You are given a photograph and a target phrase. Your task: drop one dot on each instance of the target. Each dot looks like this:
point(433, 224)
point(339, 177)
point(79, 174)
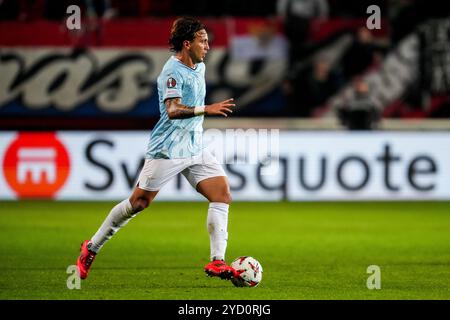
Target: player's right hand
point(220, 108)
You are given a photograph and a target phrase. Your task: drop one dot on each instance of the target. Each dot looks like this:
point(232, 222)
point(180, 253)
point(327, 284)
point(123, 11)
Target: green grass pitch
point(308, 250)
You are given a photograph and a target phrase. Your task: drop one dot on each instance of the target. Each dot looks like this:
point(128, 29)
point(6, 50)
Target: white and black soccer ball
point(250, 272)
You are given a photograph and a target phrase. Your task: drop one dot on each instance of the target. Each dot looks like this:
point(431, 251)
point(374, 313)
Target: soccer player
point(176, 146)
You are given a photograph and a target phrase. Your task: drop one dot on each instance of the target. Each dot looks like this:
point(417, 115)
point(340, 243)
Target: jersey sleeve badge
point(171, 83)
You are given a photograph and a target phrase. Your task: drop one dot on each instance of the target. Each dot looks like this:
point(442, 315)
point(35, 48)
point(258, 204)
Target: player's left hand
point(222, 108)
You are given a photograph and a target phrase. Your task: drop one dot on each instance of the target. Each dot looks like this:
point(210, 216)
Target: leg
point(144, 193)
point(209, 179)
point(120, 215)
point(141, 199)
point(154, 175)
point(216, 190)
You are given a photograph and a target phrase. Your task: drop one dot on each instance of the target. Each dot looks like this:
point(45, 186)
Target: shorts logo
point(171, 83)
point(36, 165)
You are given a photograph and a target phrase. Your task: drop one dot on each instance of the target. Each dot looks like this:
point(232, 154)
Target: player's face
point(199, 46)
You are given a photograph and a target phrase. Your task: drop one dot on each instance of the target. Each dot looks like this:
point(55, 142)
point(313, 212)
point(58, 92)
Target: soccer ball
point(250, 272)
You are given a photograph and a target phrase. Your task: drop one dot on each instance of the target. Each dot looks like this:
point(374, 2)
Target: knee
point(139, 205)
point(224, 197)
point(227, 197)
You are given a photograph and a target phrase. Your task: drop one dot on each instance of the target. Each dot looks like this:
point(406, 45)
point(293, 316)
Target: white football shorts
point(157, 172)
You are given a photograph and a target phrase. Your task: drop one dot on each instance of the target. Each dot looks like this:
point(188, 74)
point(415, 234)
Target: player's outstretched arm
point(176, 110)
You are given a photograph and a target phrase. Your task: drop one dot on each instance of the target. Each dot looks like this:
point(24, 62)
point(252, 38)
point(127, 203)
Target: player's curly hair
point(183, 29)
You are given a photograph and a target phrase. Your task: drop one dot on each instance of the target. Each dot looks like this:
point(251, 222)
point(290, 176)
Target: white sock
point(217, 224)
point(117, 218)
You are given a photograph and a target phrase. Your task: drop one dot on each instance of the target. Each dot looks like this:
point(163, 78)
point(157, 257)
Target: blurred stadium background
point(359, 115)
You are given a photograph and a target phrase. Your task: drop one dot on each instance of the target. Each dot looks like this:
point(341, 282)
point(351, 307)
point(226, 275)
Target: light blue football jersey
point(178, 138)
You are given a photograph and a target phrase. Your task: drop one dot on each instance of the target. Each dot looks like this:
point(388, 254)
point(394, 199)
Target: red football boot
point(85, 260)
point(218, 268)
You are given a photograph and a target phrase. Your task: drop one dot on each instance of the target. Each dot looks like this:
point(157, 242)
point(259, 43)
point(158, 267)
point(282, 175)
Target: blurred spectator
point(404, 17)
point(348, 9)
point(311, 88)
point(364, 51)
point(57, 9)
point(360, 113)
point(252, 67)
point(237, 8)
point(99, 9)
point(297, 16)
